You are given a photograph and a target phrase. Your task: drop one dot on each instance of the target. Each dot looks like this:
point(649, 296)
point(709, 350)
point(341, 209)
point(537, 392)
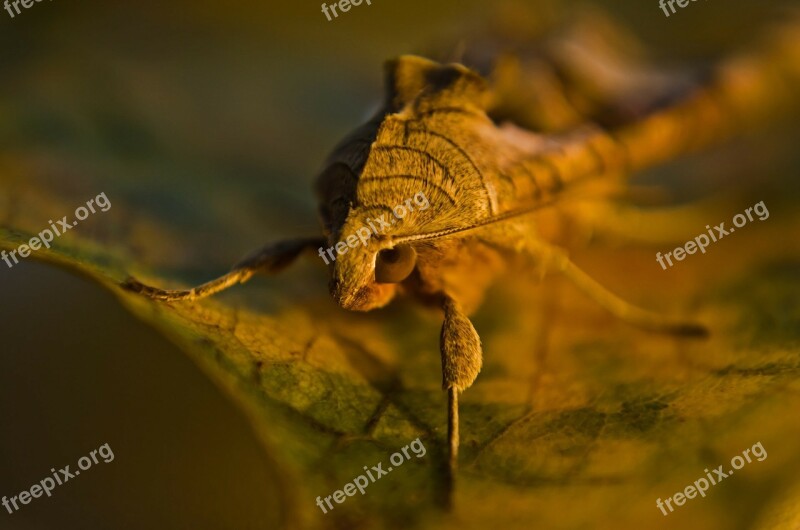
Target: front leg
point(270, 259)
point(462, 359)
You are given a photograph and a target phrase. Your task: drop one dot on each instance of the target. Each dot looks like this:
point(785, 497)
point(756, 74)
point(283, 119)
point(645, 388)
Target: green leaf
point(575, 421)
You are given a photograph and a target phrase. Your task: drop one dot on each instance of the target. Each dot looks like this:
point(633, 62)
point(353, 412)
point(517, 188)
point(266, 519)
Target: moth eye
point(394, 265)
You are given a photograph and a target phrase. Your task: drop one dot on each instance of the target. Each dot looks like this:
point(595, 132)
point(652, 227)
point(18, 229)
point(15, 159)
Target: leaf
point(575, 421)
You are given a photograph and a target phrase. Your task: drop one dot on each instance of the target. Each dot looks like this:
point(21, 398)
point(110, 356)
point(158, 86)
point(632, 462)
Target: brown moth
point(487, 164)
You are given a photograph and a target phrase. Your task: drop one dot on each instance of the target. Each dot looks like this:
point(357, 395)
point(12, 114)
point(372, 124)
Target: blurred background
point(213, 118)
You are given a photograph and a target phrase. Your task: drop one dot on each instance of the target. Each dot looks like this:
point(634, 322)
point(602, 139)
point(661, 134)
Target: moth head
point(368, 268)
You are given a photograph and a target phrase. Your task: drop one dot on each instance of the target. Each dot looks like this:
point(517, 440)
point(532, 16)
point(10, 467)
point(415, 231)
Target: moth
point(492, 140)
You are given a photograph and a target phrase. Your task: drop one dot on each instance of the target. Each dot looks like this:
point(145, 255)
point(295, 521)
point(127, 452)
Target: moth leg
point(270, 259)
point(557, 260)
point(462, 359)
point(667, 225)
